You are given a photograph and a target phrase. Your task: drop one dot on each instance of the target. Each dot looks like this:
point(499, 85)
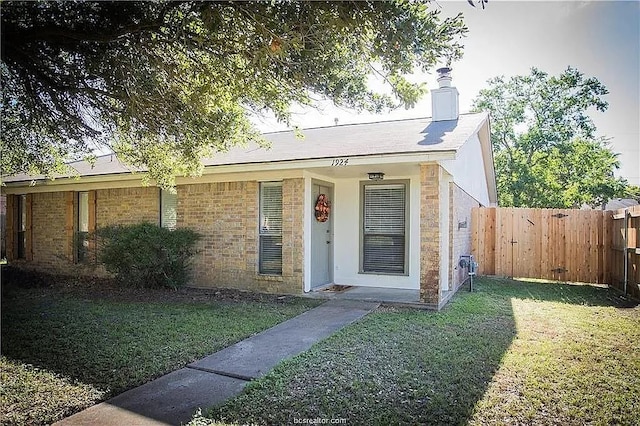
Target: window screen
point(168, 209)
point(384, 228)
point(270, 261)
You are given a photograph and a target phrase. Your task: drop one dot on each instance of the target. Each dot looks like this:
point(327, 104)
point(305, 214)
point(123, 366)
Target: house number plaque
point(339, 162)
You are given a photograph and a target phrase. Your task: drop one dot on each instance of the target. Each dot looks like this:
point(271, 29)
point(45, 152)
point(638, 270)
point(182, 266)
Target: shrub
point(146, 255)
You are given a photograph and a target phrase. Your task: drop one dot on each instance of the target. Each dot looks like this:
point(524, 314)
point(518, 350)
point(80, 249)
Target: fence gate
point(625, 251)
point(554, 244)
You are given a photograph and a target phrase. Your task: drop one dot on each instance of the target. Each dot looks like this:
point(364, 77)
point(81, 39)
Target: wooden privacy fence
point(625, 258)
point(559, 244)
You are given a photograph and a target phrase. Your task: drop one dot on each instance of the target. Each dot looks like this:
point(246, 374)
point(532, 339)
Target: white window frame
point(364, 233)
point(270, 231)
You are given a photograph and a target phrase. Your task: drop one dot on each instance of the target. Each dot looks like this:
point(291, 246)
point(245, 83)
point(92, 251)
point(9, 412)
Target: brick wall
point(293, 234)
point(430, 233)
point(125, 206)
point(52, 217)
point(49, 239)
point(226, 214)
point(460, 207)
point(220, 213)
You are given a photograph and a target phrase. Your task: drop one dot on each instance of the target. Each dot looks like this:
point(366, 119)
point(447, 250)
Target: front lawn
point(509, 353)
point(71, 345)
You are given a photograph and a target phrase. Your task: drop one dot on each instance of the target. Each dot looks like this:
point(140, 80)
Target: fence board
point(545, 255)
point(537, 247)
point(490, 243)
point(568, 260)
point(506, 238)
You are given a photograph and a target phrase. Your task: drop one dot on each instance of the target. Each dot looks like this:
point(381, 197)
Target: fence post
point(627, 222)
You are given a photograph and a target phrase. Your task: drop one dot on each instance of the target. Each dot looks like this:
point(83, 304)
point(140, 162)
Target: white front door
point(321, 239)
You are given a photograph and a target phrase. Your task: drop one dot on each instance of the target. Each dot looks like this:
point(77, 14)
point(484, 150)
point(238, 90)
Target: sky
point(599, 38)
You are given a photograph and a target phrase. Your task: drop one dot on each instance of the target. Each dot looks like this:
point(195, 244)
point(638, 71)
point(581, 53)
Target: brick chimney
point(444, 99)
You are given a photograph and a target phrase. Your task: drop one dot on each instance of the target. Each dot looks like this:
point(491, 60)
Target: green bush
point(146, 255)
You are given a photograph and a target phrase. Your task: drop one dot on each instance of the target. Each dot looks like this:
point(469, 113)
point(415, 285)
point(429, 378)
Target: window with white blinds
point(384, 224)
point(168, 209)
point(270, 255)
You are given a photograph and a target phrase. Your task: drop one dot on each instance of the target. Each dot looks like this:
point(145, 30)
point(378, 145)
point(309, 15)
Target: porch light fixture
point(376, 175)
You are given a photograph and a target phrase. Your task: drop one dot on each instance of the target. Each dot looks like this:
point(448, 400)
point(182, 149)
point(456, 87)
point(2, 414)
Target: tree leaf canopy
point(545, 149)
point(165, 83)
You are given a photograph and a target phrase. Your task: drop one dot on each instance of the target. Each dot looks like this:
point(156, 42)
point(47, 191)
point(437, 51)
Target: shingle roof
point(419, 135)
point(620, 203)
point(385, 137)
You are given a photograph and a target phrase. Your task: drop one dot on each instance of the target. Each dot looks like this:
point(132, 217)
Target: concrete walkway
point(172, 399)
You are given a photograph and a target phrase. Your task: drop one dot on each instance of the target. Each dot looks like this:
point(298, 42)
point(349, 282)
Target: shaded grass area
point(509, 353)
point(67, 347)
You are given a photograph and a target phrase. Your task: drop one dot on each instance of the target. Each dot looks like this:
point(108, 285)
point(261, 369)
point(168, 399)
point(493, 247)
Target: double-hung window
point(82, 235)
point(22, 226)
point(270, 233)
point(168, 209)
point(384, 228)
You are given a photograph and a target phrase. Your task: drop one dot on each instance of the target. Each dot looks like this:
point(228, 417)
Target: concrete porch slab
point(387, 296)
point(377, 294)
point(255, 356)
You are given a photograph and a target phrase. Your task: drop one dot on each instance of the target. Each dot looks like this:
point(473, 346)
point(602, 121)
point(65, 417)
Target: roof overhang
point(484, 134)
point(349, 166)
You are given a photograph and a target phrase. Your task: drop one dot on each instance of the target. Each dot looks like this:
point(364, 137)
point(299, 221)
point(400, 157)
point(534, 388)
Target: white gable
point(468, 170)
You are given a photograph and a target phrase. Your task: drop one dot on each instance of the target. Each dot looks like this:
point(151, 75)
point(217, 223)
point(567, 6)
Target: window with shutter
point(270, 255)
point(384, 223)
point(168, 209)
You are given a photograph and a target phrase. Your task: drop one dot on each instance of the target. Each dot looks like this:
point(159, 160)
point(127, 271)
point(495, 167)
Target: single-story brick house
point(400, 195)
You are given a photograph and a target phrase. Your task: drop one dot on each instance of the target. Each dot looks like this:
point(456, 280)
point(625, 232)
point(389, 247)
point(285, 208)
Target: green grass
point(509, 353)
point(63, 350)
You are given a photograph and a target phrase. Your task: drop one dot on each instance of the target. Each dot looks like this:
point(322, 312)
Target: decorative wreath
point(323, 207)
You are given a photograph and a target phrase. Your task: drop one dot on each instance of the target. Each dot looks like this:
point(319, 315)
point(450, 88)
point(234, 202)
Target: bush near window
point(147, 255)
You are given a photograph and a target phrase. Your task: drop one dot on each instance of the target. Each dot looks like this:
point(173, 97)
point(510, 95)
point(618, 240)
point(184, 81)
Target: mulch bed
point(93, 288)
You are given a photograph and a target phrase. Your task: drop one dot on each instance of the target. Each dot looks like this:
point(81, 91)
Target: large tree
point(165, 83)
point(545, 149)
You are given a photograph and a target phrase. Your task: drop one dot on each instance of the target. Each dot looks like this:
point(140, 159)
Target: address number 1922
point(339, 162)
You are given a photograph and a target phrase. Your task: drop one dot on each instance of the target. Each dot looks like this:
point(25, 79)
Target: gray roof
point(419, 135)
point(620, 203)
point(385, 137)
